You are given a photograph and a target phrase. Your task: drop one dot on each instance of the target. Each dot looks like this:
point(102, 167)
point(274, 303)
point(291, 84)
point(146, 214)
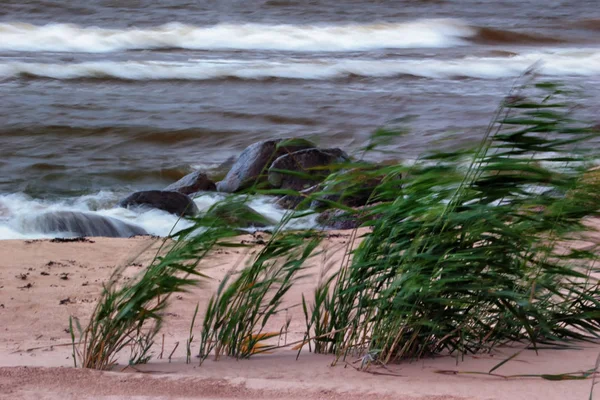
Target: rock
point(338, 219)
point(342, 220)
point(195, 182)
point(254, 161)
point(355, 187)
point(310, 163)
point(239, 215)
point(291, 202)
point(169, 201)
point(83, 224)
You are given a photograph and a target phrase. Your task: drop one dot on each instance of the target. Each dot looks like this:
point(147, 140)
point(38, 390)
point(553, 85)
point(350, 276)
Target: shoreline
point(65, 278)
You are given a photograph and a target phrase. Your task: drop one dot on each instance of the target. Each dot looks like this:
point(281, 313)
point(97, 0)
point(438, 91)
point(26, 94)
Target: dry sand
point(43, 282)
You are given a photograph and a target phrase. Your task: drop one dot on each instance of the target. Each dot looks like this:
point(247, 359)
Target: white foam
point(16, 36)
point(576, 62)
point(17, 209)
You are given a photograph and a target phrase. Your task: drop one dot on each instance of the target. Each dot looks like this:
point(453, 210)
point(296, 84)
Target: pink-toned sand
point(42, 283)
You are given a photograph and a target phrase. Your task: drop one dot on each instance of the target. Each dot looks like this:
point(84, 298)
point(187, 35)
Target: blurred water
point(111, 96)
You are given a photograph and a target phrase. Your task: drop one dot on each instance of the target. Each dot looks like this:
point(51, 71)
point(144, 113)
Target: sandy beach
point(43, 282)
point(119, 117)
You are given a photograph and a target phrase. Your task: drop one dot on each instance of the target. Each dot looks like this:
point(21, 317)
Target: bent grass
point(129, 314)
point(467, 251)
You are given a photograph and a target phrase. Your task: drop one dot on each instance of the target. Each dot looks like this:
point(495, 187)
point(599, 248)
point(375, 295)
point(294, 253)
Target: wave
point(573, 62)
point(424, 33)
point(17, 211)
point(18, 36)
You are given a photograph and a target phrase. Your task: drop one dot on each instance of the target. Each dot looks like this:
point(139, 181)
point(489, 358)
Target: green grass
point(129, 314)
point(467, 251)
point(236, 317)
point(468, 257)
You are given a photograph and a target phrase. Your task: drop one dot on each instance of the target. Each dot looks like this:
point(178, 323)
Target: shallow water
point(104, 97)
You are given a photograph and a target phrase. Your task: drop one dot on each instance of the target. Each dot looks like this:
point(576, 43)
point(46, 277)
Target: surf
point(552, 63)
point(25, 217)
point(54, 37)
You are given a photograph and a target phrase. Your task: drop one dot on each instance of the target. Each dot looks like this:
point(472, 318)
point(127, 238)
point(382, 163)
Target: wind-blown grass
point(471, 256)
point(467, 251)
point(237, 315)
point(129, 314)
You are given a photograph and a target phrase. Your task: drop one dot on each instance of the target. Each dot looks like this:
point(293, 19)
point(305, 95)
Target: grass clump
point(467, 251)
point(475, 252)
point(236, 317)
point(129, 314)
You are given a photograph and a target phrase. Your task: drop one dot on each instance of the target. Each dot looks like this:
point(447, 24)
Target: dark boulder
point(239, 215)
point(255, 159)
point(169, 201)
point(195, 182)
point(83, 224)
point(358, 186)
point(338, 219)
point(342, 220)
point(292, 201)
point(306, 168)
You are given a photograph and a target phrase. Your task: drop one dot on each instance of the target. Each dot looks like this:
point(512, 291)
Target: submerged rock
point(306, 168)
point(169, 201)
point(355, 187)
point(340, 219)
point(83, 224)
point(239, 215)
point(254, 161)
point(292, 202)
point(197, 181)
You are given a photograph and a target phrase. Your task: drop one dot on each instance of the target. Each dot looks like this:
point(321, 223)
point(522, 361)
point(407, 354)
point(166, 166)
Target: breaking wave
point(572, 62)
point(18, 213)
point(18, 36)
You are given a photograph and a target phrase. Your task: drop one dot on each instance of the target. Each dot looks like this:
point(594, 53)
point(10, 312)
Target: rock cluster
point(286, 164)
point(295, 165)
